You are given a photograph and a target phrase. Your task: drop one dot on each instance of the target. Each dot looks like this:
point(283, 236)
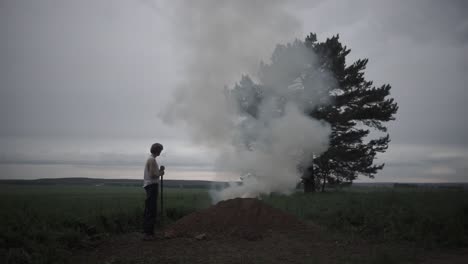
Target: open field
point(47, 224)
point(43, 223)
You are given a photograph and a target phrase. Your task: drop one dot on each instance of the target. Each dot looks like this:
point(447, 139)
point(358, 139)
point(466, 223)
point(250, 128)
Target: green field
point(42, 224)
point(45, 224)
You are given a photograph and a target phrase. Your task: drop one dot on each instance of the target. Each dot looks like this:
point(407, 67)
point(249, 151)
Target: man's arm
point(154, 170)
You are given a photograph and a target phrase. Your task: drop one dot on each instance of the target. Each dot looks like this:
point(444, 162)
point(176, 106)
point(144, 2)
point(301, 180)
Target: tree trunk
point(324, 181)
point(308, 179)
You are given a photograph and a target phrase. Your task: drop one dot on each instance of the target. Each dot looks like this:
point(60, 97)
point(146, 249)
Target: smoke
point(223, 40)
point(270, 164)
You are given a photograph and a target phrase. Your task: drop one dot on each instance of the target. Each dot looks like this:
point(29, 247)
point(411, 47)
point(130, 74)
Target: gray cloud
point(82, 69)
point(418, 47)
point(129, 153)
point(406, 162)
point(101, 71)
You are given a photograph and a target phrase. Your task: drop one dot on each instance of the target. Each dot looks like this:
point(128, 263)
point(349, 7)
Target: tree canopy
point(317, 76)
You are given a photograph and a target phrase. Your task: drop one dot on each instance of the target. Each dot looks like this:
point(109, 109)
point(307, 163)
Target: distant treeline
point(197, 184)
point(117, 182)
point(448, 186)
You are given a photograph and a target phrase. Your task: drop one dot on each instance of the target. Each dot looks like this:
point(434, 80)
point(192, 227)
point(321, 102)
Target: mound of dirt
point(246, 218)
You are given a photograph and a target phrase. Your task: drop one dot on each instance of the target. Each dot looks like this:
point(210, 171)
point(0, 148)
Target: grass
point(44, 224)
point(427, 218)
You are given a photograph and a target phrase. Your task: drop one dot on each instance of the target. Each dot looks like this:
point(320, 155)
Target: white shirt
point(152, 172)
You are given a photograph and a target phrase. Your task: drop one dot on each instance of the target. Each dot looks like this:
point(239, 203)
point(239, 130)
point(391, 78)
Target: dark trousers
point(151, 208)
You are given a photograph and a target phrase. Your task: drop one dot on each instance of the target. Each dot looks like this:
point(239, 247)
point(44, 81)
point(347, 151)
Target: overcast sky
point(83, 83)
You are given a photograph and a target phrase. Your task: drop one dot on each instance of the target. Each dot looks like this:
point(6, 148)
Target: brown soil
point(246, 218)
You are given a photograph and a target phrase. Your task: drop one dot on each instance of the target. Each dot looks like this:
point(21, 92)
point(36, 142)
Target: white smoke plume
point(271, 164)
point(223, 40)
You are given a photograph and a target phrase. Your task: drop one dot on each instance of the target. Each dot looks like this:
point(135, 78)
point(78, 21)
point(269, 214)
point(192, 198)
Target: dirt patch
point(246, 218)
point(305, 247)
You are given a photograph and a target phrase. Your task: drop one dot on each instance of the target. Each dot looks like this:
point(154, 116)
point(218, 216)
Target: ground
point(94, 224)
point(312, 245)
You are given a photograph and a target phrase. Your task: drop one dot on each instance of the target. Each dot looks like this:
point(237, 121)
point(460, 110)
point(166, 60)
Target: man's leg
point(153, 206)
point(147, 227)
point(150, 208)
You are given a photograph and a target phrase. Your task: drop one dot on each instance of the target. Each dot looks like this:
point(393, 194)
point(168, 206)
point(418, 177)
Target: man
point(151, 185)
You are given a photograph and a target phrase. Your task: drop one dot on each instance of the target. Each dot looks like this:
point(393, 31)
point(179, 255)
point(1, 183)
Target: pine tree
point(352, 105)
point(357, 107)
